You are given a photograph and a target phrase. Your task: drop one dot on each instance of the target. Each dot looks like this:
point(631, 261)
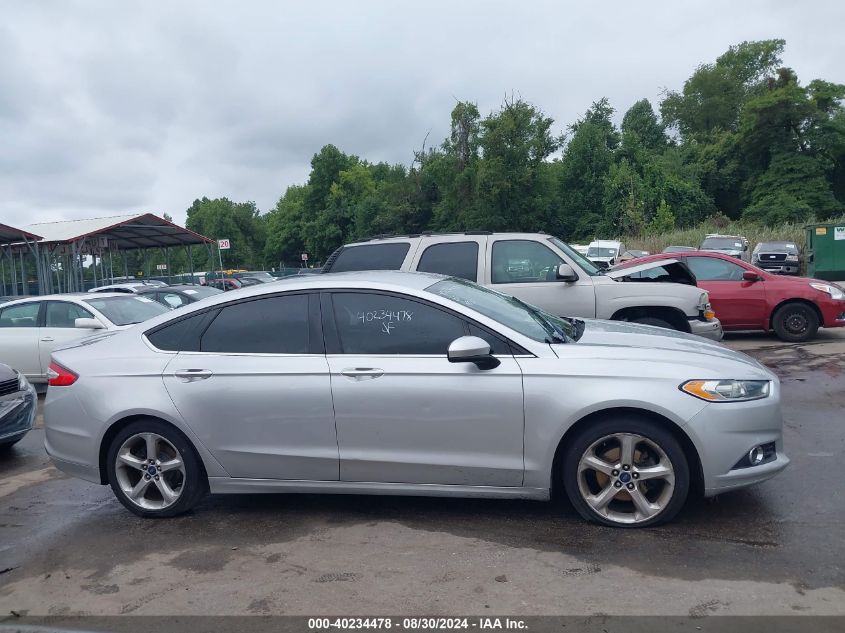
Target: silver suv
point(543, 270)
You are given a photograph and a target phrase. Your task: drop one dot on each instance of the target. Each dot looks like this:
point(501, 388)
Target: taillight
point(58, 376)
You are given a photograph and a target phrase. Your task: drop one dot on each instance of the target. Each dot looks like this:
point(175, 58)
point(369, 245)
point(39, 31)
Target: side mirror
point(750, 275)
point(471, 349)
point(87, 324)
point(565, 273)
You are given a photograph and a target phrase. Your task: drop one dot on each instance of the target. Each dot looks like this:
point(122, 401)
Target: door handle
point(47, 339)
point(362, 373)
point(191, 375)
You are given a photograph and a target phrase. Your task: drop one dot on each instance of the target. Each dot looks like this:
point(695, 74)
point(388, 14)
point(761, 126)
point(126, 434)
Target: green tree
point(240, 222)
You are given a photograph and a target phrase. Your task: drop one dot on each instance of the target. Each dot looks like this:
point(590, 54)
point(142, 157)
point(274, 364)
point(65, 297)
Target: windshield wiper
point(556, 335)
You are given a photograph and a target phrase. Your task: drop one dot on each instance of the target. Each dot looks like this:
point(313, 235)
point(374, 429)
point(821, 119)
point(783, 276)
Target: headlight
point(22, 382)
point(727, 390)
point(704, 301)
point(835, 292)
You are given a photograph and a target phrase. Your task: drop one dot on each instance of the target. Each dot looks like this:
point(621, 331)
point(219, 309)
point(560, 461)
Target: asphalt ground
point(68, 547)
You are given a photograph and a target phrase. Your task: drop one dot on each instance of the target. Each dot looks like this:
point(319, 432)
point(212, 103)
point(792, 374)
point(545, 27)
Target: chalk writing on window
point(386, 320)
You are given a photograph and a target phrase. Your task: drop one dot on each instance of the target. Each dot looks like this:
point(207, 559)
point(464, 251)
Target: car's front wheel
point(625, 471)
point(795, 322)
point(154, 471)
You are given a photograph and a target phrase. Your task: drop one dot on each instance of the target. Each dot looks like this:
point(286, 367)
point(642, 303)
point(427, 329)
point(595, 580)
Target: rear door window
point(371, 257)
point(182, 335)
point(274, 325)
point(22, 315)
point(456, 259)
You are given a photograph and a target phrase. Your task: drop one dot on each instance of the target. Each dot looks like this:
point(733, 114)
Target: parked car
point(781, 258)
point(260, 275)
point(129, 287)
point(538, 269)
point(632, 254)
point(30, 329)
point(412, 384)
point(249, 281)
point(605, 253)
point(749, 298)
point(679, 249)
point(733, 245)
point(226, 283)
point(177, 296)
point(18, 403)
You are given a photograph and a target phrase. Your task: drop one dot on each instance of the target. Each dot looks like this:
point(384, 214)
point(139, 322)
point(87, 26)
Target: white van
point(605, 253)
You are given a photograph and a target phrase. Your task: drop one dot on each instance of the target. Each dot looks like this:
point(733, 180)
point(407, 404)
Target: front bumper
point(17, 414)
point(724, 432)
point(711, 328)
point(779, 268)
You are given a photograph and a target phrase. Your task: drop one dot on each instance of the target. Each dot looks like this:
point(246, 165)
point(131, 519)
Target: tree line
point(742, 139)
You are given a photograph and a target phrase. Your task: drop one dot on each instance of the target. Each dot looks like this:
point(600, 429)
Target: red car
point(748, 298)
point(226, 283)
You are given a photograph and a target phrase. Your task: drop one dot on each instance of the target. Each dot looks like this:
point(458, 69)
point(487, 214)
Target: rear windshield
point(371, 257)
point(127, 310)
point(724, 243)
point(601, 251)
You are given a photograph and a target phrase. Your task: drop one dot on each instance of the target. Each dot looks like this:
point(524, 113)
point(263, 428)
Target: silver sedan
point(409, 384)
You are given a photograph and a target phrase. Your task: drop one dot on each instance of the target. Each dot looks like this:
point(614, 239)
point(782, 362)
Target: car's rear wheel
point(625, 471)
point(795, 322)
point(154, 471)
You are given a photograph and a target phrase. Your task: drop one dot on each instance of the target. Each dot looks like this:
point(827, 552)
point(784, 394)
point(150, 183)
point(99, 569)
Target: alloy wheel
point(626, 478)
point(150, 471)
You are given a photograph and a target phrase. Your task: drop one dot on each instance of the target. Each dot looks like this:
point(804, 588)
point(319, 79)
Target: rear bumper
point(711, 329)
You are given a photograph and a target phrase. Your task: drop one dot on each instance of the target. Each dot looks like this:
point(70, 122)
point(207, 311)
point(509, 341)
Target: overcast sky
point(114, 107)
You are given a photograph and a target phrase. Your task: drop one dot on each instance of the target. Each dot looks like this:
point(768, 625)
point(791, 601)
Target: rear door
point(456, 255)
point(738, 303)
point(19, 338)
point(253, 384)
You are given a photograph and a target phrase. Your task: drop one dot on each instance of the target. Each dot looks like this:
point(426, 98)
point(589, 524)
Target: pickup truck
point(542, 270)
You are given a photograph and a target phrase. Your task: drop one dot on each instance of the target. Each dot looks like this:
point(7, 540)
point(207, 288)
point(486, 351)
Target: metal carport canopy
point(124, 232)
point(11, 235)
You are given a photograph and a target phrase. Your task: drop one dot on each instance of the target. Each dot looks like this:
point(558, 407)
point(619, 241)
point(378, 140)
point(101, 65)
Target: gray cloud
point(109, 108)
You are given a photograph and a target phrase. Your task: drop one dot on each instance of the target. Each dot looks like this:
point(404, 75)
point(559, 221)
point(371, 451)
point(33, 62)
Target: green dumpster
point(826, 251)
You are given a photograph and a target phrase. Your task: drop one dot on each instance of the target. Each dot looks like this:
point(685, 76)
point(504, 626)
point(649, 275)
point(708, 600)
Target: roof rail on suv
point(387, 236)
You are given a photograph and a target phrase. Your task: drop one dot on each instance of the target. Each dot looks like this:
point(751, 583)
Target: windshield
point(589, 267)
point(722, 243)
point(127, 310)
point(510, 311)
point(202, 291)
point(597, 251)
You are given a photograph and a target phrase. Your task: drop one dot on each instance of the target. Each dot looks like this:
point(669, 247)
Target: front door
point(527, 269)
point(254, 387)
point(738, 304)
point(404, 413)
point(59, 328)
point(19, 339)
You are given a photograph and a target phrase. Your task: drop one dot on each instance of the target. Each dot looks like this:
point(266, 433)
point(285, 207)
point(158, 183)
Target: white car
point(129, 286)
point(30, 329)
point(605, 253)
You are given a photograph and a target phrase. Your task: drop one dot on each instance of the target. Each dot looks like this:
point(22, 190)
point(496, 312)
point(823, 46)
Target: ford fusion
point(409, 384)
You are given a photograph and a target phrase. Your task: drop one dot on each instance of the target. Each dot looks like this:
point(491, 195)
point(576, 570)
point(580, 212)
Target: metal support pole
point(167, 261)
point(13, 271)
point(191, 263)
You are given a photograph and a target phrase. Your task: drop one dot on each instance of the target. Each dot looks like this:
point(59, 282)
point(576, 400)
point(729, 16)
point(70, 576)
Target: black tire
point(634, 424)
point(795, 322)
point(193, 486)
point(647, 320)
point(5, 447)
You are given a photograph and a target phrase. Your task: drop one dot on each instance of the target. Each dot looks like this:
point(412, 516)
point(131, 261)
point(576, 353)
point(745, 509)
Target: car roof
point(659, 256)
point(176, 287)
